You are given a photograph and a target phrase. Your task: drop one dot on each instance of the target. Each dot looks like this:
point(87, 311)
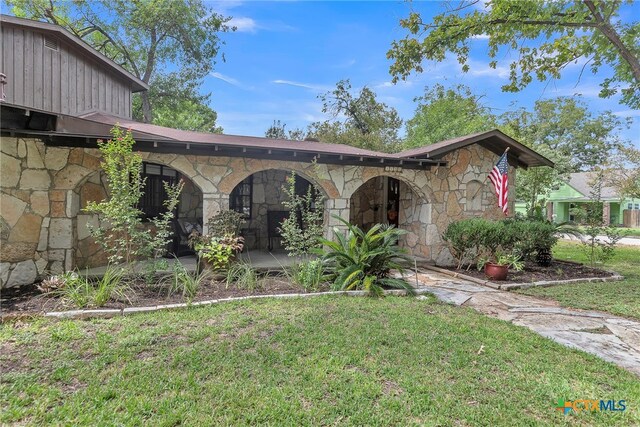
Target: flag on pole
point(499, 176)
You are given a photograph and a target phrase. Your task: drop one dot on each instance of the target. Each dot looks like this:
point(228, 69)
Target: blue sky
point(286, 53)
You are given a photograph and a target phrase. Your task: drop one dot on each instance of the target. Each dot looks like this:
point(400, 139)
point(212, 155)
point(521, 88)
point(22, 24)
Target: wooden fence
point(631, 218)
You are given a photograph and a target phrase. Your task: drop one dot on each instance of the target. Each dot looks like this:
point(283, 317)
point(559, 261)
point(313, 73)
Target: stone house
point(60, 96)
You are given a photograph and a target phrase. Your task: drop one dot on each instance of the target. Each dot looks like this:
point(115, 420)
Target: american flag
point(499, 176)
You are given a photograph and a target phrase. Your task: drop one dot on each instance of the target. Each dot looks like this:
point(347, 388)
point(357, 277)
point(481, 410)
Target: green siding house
point(576, 192)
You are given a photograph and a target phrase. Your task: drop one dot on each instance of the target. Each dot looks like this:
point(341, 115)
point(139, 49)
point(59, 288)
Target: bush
point(359, 260)
point(225, 223)
point(307, 275)
point(471, 240)
point(302, 229)
point(218, 252)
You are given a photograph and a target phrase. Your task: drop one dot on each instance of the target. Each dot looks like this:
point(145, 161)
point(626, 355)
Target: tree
point(143, 37)
point(277, 131)
point(623, 172)
point(444, 113)
point(368, 123)
point(121, 232)
point(563, 130)
point(177, 104)
point(545, 36)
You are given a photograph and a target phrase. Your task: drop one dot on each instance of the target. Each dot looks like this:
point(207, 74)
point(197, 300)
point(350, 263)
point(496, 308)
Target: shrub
point(243, 276)
point(359, 260)
point(186, 283)
point(302, 229)
point(471, 240)
point(307, 275)
point(225, 223)
point(218, 252)
point(125, 238)
point(464, 239)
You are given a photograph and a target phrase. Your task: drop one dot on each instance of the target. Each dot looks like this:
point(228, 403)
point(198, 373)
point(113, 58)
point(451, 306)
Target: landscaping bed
point(532, 272)
point(28, 300)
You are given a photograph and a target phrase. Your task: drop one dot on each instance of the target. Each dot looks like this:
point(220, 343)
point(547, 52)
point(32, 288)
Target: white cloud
point(480, 37)
point(309, 86)
point(244, 24)
point(346, 64)
point(230, 80)
point(479, 69)
point(627, 113)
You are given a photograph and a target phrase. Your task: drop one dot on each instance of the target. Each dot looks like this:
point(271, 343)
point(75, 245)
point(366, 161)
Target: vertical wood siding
point(62, 81)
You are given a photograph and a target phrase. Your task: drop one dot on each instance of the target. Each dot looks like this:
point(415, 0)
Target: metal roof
point(493, 140)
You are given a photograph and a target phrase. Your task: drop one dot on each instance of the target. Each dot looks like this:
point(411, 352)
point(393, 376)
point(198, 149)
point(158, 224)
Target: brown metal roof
point(493, 140)
point(161, 139)
point(163, 133)
point(137, 85)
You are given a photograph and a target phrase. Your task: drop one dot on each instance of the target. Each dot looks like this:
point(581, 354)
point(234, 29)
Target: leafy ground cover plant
point(363, 260)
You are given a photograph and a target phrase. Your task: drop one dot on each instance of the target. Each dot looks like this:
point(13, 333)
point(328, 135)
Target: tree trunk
point(611, 34)
point(147, 114)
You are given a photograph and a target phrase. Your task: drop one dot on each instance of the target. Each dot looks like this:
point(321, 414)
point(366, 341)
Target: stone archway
point(393, 200)
point(260, 196)
point(93, 188)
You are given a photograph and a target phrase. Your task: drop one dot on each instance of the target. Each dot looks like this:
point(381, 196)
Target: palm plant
point(359, 260)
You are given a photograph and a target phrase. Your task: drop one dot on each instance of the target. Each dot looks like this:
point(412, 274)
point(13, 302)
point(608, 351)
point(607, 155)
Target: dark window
point(393, 200)
point(152, 201)
point(241, 197)
point(303, 186)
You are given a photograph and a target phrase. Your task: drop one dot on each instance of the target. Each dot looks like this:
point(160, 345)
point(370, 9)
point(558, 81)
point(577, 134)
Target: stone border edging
point(115, 312)
point(512, 286)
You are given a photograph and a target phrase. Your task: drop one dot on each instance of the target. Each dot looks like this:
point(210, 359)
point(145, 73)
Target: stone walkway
point(614, 339)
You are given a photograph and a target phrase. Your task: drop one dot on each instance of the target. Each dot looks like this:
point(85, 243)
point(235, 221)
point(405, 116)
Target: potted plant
point(216, 253)
point(497, 266)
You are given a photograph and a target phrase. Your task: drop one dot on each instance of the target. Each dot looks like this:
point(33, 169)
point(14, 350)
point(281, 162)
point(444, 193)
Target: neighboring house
point(61, 96)
point(577, 193)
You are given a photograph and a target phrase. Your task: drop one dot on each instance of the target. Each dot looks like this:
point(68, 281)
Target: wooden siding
point(61, 81)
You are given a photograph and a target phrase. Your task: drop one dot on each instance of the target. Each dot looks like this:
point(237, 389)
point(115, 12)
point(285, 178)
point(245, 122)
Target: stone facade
point(43, 189)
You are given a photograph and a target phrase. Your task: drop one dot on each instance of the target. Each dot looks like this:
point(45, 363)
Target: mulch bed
point(27, 300)
point(559, 270)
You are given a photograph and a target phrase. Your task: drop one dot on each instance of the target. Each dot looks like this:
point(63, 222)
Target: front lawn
point(621, 298)
point(321, 361)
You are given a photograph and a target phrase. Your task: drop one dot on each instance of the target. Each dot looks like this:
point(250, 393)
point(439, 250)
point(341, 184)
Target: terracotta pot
point(495, 271)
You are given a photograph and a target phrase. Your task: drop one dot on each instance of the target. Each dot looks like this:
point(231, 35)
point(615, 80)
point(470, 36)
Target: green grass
point(318, 361)
point(621, 298)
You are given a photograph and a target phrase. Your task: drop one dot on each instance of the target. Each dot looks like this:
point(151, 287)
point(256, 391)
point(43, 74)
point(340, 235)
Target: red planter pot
point(495, 271)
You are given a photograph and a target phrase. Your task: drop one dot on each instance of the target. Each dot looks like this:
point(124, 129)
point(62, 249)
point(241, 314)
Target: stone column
point(212, 203)
point(606, 213)
point(336, 207)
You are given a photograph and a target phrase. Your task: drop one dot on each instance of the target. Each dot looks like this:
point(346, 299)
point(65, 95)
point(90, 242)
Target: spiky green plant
point(359, 260)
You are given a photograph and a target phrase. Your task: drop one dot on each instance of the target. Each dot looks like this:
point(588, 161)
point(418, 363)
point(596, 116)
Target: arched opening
point(93, 188)
point(260, 197)
point(388, 200)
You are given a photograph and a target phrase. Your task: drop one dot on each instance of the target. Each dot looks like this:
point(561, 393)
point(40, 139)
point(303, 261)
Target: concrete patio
point(261, 260)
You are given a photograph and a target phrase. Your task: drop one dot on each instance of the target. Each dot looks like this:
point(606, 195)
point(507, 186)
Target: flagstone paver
point(612, 338)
